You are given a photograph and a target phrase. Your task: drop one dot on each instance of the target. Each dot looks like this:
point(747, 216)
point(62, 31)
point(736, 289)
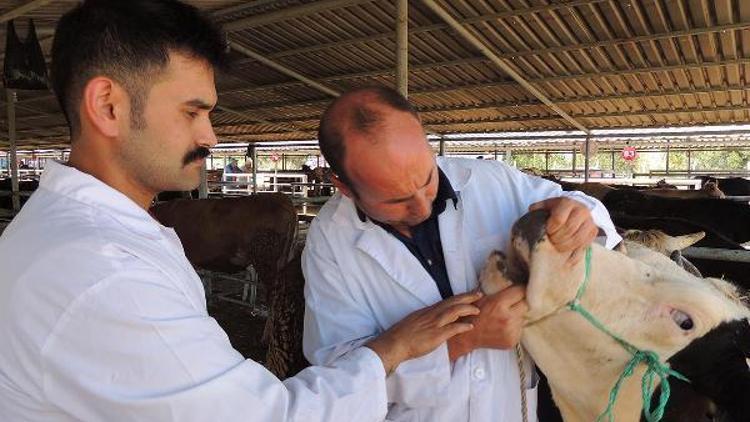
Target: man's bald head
point(359, 111)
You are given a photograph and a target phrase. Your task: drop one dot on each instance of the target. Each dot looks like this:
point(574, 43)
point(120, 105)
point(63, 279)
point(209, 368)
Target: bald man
point(406, 230)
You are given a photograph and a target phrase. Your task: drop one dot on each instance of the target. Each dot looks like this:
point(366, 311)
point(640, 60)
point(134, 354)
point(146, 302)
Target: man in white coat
point(102, 318)
point(407, 230)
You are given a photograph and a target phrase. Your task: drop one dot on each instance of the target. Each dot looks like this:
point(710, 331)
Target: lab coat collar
point(391, 254)
point(82, 187)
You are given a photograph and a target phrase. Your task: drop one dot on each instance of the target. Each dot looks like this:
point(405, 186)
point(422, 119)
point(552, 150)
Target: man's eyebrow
point(198, 103)
point(397, 200)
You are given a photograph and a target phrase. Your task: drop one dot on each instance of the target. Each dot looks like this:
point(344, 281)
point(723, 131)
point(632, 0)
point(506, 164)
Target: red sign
point(629, 153)
point(275, 157)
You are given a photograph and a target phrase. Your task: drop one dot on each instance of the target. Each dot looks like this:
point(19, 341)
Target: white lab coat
point(102, 318)
point(360, 280)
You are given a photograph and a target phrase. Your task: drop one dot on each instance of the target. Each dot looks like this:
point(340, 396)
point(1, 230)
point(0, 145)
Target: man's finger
point(463, 298)
point(455, 312)
point(510, 296)
point(560, 216)
point(541, 205)
point(583, 237)
point(451, 330)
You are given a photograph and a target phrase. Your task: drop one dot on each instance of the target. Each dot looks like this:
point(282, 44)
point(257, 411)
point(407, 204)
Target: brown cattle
point(709, 190)
point(230, 234)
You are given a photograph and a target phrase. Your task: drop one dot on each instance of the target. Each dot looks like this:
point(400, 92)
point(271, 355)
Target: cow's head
point(643, 297)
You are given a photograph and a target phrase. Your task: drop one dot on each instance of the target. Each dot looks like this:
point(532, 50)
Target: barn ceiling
point(606, 63)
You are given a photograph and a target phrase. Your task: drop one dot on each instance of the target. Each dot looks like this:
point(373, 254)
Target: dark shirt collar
point(444, 193)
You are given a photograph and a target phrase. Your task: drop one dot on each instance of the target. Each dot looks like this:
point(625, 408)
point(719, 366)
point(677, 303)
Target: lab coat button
point(479, 373)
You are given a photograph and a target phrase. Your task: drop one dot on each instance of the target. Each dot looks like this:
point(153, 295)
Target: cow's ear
point(620, 247)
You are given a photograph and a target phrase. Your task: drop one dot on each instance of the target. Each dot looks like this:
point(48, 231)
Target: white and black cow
point(697, 324)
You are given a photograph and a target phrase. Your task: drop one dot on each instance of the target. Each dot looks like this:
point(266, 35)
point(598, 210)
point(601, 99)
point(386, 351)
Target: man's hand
point(570, 226)
point(423, 331)
point(498, 325)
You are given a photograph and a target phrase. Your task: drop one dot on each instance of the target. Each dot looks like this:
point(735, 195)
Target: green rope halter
point(654, 366)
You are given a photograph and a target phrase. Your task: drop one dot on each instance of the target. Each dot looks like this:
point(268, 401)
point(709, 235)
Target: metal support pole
point(255, 170)
point(402, 48)
point(11, 104)
point(203, 188)
point(546, 161)
point(586, 159)
point(495, 152)
point(441, 148)
point(613, 160)
point(690, 162)
point(667, 169)
point(574, 161)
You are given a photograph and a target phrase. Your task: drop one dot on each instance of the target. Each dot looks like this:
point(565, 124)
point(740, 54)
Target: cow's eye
point(682, 319)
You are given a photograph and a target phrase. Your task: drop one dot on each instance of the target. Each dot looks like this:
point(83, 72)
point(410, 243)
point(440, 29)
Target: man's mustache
point(196, 154)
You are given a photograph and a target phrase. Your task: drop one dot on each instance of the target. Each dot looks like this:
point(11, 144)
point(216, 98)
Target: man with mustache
point(102, 318)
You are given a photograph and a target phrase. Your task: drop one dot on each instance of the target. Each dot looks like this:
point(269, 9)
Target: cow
point(708, 190)
point(6, 201)
point(734, 186)
point(726, 217)
point(737, 272)
point(666, 245)
point(644, 299)
point(230, 234)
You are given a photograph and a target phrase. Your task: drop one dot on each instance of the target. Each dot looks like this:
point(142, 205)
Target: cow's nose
point(531, 227)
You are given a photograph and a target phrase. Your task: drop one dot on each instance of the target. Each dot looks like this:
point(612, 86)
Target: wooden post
point(255, 170)
point(586, 159)
point(441, 148)
point(402, 48)
point(574, 161)
point(203, 188)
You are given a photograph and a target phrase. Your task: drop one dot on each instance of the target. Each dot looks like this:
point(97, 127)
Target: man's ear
point(345, 190)
point(105, 106)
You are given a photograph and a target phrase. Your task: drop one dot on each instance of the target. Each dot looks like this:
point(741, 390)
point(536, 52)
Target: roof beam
point(23, 9)
point(522, 119)
point(529, 102)
point(296, 121)
point(425, 66)
point(289, 13)
point(523, 53)
point(590, 116)
point(246, 115)
point(283, 69)
point(240, 7)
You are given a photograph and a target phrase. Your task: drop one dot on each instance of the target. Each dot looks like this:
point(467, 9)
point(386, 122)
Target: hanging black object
point(24, 61)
